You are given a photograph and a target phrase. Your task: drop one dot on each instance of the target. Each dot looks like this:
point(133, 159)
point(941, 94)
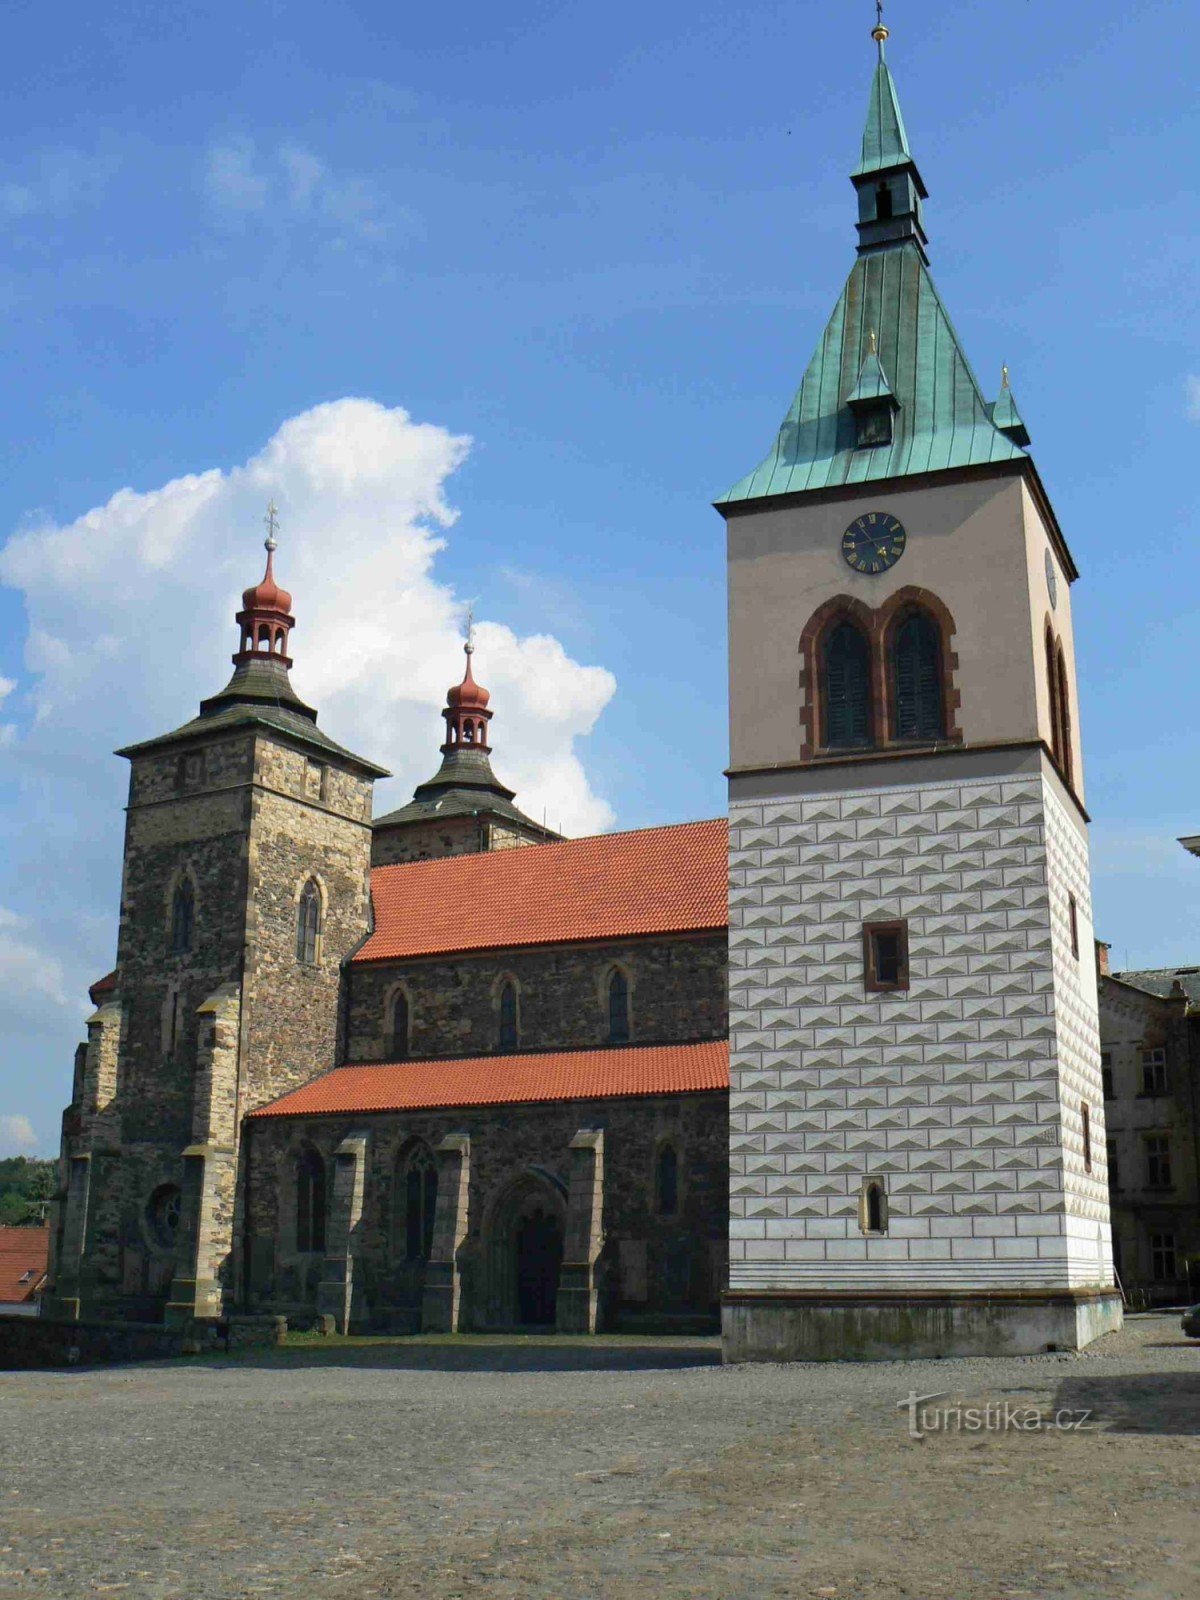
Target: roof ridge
point(553, 844)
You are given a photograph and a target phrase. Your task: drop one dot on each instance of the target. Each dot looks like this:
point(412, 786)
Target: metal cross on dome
point(272, 524)
point(470, 644)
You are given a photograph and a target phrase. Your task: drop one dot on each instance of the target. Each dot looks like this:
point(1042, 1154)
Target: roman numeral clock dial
point(873, 542)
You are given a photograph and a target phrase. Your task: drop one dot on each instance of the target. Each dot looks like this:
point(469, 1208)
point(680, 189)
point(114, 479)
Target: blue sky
point(600, 243)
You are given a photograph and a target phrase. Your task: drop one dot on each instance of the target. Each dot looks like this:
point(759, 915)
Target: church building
point(828, 1072)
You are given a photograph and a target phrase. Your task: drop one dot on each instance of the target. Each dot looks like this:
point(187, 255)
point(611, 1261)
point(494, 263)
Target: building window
point(310, 1202)
point(846, 683)
point(1073, 924)
point(1163, 1268)
point(872, 1207)
point(666, 1181)
point(1055, 713)
point(1085, 1112)
point(917, 678)
point(883, 203)
point(399, 1050)
point(885, 955)
point(162, 1215)
point(417, 1183)
point(1106, 1073)
point(1064, 712)
point(1154, 1071)
point(189, 770)
point(1114, 1172)
point(618, 1008)
point(183, 917)
point(508, 1033)
point(1158, 1160)
point(308, 925)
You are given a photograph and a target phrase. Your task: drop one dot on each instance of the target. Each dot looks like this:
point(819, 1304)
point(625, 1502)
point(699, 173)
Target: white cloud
point(1193, 398)
point(294, 185)
point(131, 614)
point(16, 1135)
point(29, 974)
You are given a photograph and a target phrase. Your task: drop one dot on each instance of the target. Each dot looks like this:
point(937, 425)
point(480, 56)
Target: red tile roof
point(23, 1256)
point(103, 987)
point(610, 886)
point(511, 1080)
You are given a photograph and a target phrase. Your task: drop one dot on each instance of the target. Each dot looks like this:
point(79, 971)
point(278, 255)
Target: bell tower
point(245, 886)
point(916, 1111)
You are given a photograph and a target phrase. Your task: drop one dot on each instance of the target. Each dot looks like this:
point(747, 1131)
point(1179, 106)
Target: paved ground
point(558, 1469)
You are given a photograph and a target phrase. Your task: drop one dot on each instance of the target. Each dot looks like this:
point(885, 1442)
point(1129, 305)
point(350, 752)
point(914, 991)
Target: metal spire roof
point(885, 142)
point(942, 418)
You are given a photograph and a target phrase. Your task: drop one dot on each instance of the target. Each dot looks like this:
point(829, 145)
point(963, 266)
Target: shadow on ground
point(481, 1353)
point(1165, 1403)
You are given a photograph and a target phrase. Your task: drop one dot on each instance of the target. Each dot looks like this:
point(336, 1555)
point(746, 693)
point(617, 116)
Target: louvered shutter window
point(847, 680)
point(918, 673)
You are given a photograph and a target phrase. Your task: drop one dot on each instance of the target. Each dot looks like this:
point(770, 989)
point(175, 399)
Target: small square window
point(1073, 915)
point(885, 956)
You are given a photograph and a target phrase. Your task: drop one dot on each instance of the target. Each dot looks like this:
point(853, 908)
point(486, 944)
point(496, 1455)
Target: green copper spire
point(885, 142)
point(889, 392)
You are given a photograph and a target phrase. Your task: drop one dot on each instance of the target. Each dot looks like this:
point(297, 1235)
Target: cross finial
point(469, 646)
point(271, 521)
point(1004, 377)
point(872, 343)
point(879, 32)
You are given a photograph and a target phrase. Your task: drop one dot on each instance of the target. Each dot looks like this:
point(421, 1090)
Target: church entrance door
point(539, 1244)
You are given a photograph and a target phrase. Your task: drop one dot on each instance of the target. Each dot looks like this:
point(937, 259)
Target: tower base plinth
point(790, 1325)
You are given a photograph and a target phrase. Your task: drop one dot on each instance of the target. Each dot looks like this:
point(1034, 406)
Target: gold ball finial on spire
point(879, 32)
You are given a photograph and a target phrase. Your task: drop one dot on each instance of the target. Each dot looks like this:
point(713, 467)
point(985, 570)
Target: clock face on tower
point(873, 542)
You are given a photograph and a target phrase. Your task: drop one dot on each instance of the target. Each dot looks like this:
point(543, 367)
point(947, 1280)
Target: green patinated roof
point(463, 786)
point(942, 418)
point(259, 694)
point(885, 143)
point(873, 383)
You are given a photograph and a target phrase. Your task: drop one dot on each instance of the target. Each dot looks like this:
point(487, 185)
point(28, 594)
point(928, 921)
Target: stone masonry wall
point(449, 836)
point(677, 991)
point(651, 1264)
point(949, 1092)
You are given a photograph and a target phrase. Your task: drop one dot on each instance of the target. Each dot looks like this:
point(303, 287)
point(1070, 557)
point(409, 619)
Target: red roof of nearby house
point(610, 886)
point(623, 1073)
point(103, 987)
point(24, 1253)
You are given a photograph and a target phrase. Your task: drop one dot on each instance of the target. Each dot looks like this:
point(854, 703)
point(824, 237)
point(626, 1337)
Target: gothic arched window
point(1064, 712)
point(873, 1208)
point(917, 678)
point(416, 1192)
point(846, 683)
point(618, 1008)
point(310, 1202)
point(308, 925)
point(1055, 708)
point(508, 1032)
point(666, 1181)
point(183, 917)
point(399, 1049)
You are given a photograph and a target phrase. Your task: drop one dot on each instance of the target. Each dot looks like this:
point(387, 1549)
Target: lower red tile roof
point(611, 886)
point(103, 987)
point(510, 1080)
point(24, 1253)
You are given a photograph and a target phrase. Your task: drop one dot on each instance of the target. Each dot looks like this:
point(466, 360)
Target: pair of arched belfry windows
point(914, 706)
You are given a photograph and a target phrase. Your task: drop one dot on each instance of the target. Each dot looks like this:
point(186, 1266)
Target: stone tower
point(917, 1116)
point(245, 886)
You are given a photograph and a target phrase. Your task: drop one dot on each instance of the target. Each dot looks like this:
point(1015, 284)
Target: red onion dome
point(267, 595)
point(468, 695)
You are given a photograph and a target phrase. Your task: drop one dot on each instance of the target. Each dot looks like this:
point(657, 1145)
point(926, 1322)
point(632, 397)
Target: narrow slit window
point(885, 956)
point(400, 1028)
point(667, 1181)
point(873, 1207)
point(1073, 916)
point(308, 925)
point(183, 917)
point(618, 1008)
point(1086, 1115)
point(508, 1031)
point(310, 1202)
